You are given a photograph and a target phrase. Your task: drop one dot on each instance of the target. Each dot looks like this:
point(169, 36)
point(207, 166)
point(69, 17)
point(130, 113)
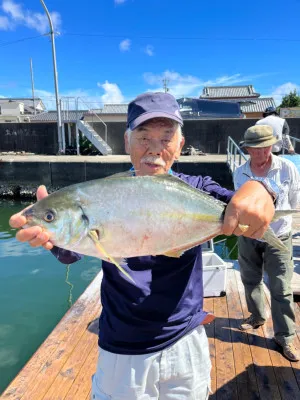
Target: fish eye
point(49, 216)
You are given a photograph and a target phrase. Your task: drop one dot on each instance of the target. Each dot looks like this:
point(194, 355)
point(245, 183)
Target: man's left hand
point(250, 206)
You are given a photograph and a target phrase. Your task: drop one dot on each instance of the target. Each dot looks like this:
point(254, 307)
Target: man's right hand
point(34, 235)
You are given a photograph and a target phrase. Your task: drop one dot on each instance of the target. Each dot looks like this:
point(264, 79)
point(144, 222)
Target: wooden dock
point(244, 365)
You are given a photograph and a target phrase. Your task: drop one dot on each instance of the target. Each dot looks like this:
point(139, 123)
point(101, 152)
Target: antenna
point(165, 84)
point(32, 86)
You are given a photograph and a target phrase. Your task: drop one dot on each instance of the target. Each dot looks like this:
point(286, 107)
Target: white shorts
point(179, 372)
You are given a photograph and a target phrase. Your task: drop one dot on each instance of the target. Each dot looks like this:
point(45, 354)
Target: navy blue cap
point(152, 105)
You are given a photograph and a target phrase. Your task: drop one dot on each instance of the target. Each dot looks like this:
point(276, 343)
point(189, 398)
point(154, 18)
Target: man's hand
point(34, 235)
point(251, 205)
point(292, 151)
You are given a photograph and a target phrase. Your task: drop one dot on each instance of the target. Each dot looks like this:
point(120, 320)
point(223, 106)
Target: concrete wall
point(209, 136)
point(21, 179)
point(39, 138)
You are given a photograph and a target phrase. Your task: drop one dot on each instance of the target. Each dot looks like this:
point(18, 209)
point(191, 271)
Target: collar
point(275, 164)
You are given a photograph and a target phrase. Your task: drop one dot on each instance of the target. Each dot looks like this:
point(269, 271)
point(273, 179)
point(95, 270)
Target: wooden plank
point(67, 375)
point(283, 369)
point(32, 382)
point(225, 369)
point(246, 379)
point(82, 384)
point(210, 331)
point(265, 376)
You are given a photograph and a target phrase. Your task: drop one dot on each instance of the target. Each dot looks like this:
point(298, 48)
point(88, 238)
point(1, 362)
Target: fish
point(123, 216)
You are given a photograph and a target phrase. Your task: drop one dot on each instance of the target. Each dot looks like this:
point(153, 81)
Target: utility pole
point(32, 86)
point(165, 84)
point(61, 150)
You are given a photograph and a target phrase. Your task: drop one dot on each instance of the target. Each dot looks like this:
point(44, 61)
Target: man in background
point(257, 256)
point(280, 128)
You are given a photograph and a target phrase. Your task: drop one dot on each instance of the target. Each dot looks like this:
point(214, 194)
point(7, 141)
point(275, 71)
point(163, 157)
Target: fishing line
point(70, 298)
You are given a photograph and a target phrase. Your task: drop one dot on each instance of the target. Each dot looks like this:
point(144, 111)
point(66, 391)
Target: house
point(15, 109)
point(252, 105)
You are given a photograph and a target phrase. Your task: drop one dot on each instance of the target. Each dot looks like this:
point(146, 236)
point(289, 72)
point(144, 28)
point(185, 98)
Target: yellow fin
point(175, 254)
point(93, 235)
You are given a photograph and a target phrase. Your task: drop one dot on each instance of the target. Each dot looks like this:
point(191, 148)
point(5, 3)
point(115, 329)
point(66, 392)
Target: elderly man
point(255, 256)
point(151, 337)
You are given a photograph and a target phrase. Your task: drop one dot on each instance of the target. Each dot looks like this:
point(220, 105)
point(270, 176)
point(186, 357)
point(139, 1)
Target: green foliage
point(86, 147)
point(291, 100)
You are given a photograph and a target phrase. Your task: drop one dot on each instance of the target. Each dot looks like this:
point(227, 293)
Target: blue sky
point(112, 50)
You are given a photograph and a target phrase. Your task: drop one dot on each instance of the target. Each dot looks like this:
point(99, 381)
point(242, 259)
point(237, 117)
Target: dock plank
point(245, 366)
point(36, 377)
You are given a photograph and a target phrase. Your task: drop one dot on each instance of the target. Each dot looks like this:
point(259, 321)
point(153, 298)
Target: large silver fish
point(123, 216)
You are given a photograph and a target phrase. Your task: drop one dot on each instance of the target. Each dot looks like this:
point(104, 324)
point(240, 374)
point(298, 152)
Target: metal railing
point(93, 113)
point(235, 156)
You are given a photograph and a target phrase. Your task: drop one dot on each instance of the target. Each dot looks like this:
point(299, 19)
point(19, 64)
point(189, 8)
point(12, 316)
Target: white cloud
point(119, 1)
point(189, 85)
point(149, 50)
point(4, 23)
point(17, 15)
point(125, 45)
point(282, 90)
point(87, 100)
point(113, 94)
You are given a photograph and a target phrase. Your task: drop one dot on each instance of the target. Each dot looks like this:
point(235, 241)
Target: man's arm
point(250, 205)
point(287, 144)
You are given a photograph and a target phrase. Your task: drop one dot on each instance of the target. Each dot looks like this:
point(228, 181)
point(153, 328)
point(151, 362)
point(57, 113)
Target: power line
point(22, 40)
point(182, 37)
point(203, 38)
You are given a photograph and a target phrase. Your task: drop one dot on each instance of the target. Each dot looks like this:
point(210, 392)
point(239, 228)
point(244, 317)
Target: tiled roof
point(115, 109)
point(228, 91)
point(51, 116)
point(260, 104)
point(253, 105)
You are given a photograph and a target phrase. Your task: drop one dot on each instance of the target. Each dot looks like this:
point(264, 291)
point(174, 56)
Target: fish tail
point(283, 213)
point(274, 241)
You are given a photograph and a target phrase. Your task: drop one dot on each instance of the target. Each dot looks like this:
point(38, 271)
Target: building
point(252, 105)
point(18, 109)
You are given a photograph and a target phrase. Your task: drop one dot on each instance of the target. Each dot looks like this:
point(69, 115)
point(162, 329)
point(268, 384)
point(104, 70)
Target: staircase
point(94, 138)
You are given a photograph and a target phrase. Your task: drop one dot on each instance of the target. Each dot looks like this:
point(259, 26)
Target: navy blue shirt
point(165, 303)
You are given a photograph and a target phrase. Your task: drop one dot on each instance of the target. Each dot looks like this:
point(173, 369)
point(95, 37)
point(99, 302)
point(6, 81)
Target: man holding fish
point(151, 337)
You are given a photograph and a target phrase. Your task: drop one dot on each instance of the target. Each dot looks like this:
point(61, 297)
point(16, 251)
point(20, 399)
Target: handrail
point(92, 112)
point(234, 151)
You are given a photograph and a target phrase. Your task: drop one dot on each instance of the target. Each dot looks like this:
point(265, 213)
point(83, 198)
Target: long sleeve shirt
point(286, 175)
point(166, 301)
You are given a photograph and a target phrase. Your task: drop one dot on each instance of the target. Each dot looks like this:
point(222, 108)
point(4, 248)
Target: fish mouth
point(28, 214)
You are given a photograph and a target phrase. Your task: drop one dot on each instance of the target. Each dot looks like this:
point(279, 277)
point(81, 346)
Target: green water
point(34, 294)
point(36, 291)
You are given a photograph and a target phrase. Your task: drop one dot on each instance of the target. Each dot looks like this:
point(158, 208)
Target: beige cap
point(259, 136)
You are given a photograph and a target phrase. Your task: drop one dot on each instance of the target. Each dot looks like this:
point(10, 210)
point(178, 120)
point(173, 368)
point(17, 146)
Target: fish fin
point(283, 213)
point(274, 241)
point(175, 254)
point(93, 235)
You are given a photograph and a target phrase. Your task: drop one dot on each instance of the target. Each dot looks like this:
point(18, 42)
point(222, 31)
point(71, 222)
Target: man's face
point(154, 146)
point(259, 155)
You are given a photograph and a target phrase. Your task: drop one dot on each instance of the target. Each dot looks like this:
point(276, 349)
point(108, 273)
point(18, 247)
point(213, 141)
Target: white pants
point(180, 372)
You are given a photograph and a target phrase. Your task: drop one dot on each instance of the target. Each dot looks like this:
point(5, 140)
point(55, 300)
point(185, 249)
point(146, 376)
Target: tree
point(291, 100)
